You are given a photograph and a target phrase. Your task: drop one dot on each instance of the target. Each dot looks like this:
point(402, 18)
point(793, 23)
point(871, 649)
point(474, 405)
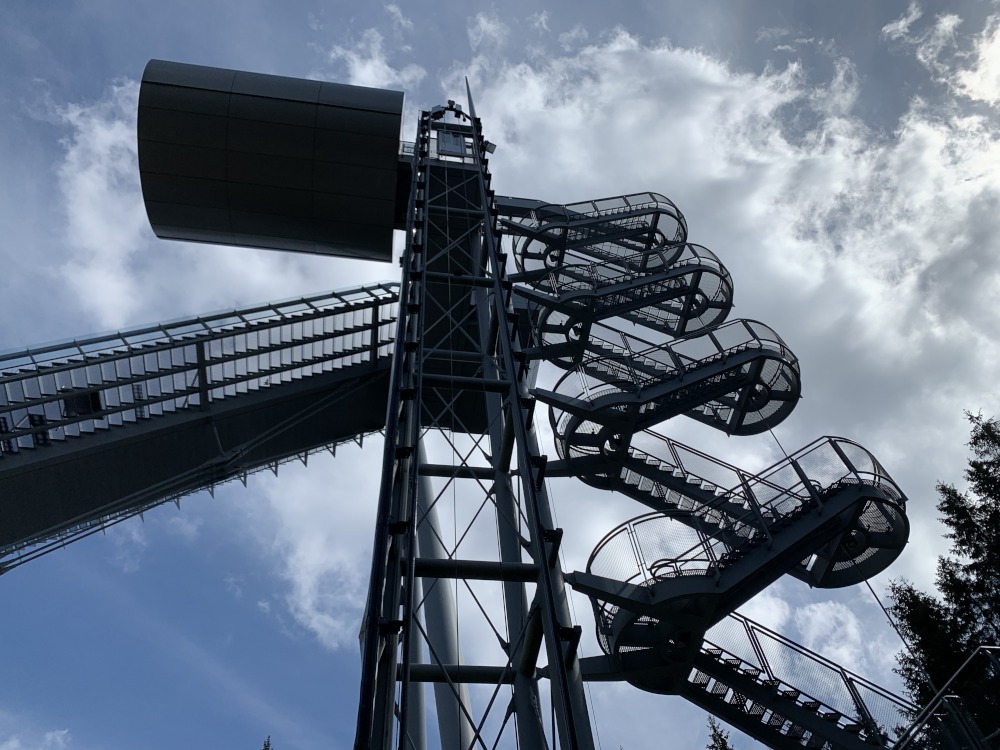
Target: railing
point(703, 537)
point(609, 229)
point(68, 389)
point(594, 262)
point(615, 205)
point(605, 384)
point(653, 364)
point(794, 672)
point(635, 273)
point(949, 721)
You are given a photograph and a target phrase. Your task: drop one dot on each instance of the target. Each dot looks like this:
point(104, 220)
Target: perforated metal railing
point(701, 537)
point(605, 384)
point(69, 389)
point(593, 276)
point(795, 673)
point(613, 206)
point(672, 292)
point(622, 359)
point(608, 229)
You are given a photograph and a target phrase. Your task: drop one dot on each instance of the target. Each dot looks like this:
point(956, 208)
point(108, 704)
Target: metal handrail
point(923, 718)
point(678, 363)
point(109, 345)
point(186, 362)
point(849, 685)
point(759, 517)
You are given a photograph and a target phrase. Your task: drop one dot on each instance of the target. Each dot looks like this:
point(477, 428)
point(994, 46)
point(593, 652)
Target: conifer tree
point(943, 629)
point(718, 737)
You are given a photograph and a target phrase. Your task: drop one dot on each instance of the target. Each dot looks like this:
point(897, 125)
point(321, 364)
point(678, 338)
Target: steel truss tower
point(460, 379)
point(610, 292)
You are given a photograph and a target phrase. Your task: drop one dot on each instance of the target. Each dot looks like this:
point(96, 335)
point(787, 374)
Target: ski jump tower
point(454, 364)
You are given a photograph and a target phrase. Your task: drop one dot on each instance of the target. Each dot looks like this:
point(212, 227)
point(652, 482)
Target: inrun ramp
point(98, 429)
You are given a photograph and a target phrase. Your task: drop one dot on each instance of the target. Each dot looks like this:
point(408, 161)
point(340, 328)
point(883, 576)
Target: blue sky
point(840, 158)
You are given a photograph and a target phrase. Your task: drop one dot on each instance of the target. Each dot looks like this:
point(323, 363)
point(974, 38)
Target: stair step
point(719, 688)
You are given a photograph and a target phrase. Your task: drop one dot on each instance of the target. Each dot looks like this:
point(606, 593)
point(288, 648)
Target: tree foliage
point(267, 743)
point(718, 737)
point(943, 629)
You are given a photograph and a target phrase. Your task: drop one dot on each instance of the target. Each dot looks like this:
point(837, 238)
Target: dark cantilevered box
point(236, 158)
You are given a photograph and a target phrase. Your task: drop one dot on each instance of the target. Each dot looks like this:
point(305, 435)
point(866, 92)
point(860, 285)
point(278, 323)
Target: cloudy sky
point(841, 158)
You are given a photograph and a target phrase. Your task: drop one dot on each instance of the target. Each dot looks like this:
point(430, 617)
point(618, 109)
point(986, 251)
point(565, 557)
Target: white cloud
point(900, 27)
point(487, 33)
point(838, 98)
point(932, 43)
point(772, 33)
point(399, 21)
point(130, 543)
point(21, 733)
point(57, 738)
point(981, 80)
point(367, 64)
point(539, 21)
point(320, 536)
point(769, 609)
point(833, 630)
point(572, 38)
point(185, 527)
point(100, 183)
point(234, 585)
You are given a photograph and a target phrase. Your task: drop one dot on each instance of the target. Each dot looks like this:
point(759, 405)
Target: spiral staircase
point(589, 276)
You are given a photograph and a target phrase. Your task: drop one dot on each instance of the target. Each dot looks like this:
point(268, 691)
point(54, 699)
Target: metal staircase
point(828, 514)
point(661, 580)
point(739, 377)
point(735, 511)
point(787, 696)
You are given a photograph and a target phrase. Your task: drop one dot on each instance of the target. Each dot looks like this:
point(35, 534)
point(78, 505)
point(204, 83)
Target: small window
point(450, 144)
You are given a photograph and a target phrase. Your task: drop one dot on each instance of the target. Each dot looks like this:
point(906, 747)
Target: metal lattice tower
point(610, 292)
point(461, 379)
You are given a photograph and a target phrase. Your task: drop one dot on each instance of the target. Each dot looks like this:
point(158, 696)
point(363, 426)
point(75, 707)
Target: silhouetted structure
point(445, 363)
